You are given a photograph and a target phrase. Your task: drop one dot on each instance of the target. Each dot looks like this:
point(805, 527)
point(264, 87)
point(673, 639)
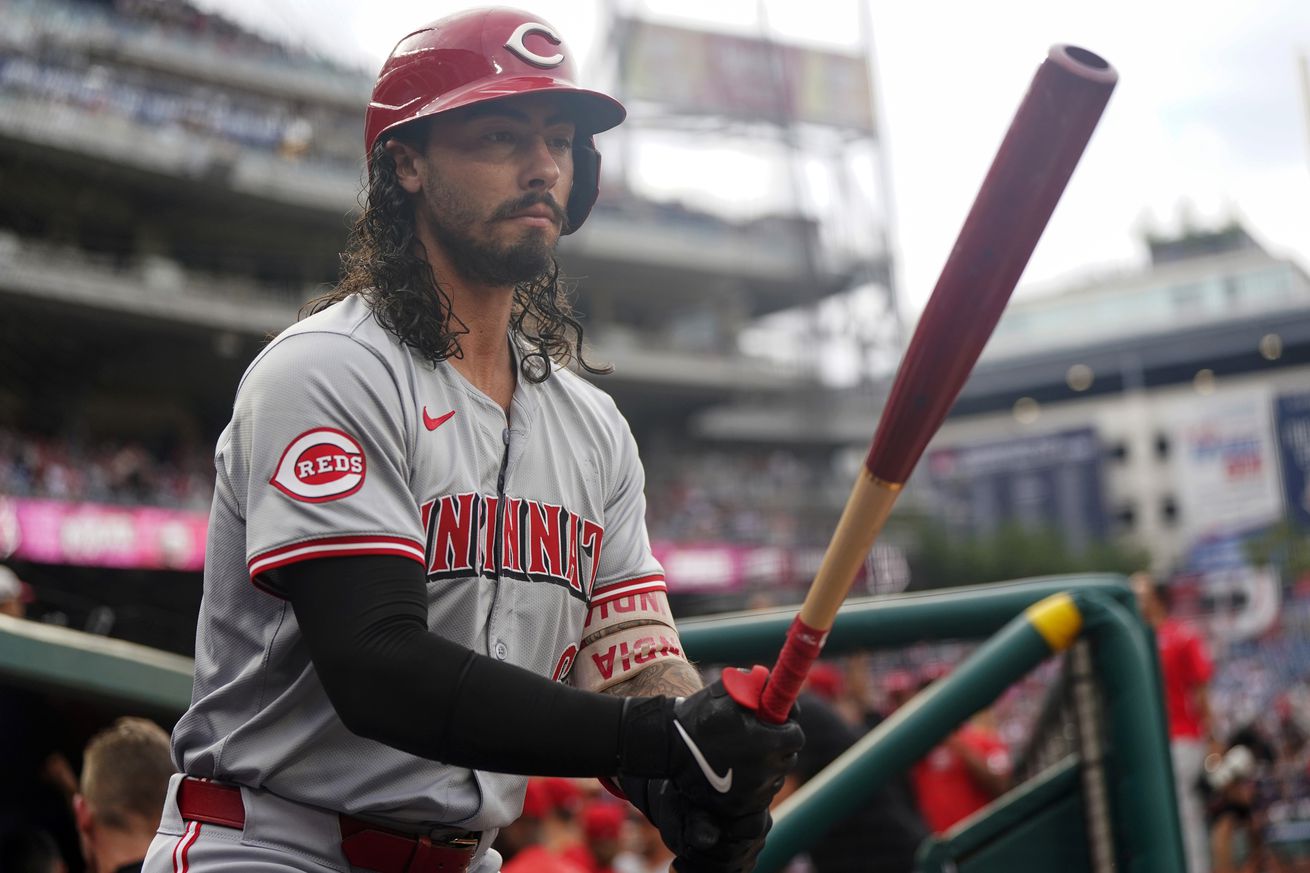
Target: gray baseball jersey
point(344, 442)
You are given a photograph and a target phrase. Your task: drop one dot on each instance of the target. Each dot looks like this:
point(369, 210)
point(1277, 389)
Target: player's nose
point(541, 169)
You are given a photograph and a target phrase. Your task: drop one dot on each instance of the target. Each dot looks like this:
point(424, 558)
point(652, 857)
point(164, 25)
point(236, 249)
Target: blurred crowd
point(1256, 784)
point(760, 497)
point(574, 826)
point(117, 471)
point(51, 51)
point(1256, 678)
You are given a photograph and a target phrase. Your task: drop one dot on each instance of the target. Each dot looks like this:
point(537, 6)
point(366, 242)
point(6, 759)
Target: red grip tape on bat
point(771, 696)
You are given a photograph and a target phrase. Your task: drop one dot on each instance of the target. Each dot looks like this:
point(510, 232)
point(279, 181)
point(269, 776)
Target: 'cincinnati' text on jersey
point(475, 534)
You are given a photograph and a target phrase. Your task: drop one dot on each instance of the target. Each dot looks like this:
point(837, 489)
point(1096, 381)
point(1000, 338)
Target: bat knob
point(746, 687)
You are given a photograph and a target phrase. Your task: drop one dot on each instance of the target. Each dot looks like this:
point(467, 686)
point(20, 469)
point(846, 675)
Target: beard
point(453, 221)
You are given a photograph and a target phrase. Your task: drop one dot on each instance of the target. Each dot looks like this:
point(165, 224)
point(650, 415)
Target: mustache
point(527, 201)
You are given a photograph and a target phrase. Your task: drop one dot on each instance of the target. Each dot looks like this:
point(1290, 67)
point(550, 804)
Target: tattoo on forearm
point(671, 678)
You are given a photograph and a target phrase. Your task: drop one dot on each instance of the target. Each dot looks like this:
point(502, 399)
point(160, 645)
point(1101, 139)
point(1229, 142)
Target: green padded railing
point(125, 674)
point(64, 659)
point(1144, 812)
point(971, 612)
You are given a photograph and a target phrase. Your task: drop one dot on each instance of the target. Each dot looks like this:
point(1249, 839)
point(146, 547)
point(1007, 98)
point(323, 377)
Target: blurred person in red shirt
point(602, 832)
point(552, 803)
point(829, 681)
point(963, 774)
point(1186, 669)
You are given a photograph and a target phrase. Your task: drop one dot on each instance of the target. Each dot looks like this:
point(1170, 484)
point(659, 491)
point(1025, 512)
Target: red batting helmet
point(490, 54)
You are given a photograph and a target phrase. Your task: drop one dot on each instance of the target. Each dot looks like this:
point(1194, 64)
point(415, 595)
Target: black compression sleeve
point(364, 620)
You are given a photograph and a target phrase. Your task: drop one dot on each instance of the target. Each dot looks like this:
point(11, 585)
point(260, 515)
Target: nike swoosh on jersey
point(433, 423)
point(721, 784)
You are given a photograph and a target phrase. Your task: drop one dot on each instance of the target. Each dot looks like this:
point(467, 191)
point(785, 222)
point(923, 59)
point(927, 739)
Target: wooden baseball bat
point(1049, 132)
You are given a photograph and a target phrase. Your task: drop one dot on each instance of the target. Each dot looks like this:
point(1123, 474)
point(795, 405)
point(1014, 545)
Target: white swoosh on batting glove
point(721, 784)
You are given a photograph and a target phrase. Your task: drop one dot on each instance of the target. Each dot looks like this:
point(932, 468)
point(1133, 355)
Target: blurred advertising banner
point(1237, 600)
point(1226, 474)
point(1293, 423)
point(97, 535)
point(719, 568)
point(1045, 481)
point(149, 538)
point(700, 73)
point(722, 567)
point(1225, 464)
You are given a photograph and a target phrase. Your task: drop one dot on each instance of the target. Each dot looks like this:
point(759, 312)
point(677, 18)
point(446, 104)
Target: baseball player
point(428, 573)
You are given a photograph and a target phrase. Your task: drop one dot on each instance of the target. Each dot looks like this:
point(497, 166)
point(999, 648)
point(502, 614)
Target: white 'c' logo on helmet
point(515, 44)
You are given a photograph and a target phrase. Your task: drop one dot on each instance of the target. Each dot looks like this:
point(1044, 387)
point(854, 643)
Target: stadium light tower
point(810, 110)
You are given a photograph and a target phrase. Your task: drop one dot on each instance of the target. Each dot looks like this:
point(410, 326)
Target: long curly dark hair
point(384, 263)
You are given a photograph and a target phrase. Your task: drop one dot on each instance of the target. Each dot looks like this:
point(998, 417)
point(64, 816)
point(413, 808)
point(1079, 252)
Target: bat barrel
point(1049, 132)
point(1036, 158)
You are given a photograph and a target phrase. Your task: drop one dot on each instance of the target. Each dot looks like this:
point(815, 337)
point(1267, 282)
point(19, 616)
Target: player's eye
point(561, 143)
point(500, 137)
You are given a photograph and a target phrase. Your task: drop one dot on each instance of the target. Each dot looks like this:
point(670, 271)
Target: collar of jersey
point(524, 405)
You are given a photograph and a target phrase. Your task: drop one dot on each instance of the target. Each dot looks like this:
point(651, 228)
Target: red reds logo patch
point(320, 465)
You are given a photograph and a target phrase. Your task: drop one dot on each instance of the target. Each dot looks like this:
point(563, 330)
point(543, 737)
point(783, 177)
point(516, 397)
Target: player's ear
point(82, 816)
point(407, 160)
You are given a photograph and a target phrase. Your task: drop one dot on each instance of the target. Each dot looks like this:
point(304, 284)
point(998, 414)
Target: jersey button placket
point(498, 648)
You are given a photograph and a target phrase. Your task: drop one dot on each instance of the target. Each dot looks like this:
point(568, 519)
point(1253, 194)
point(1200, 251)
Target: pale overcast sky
point(1210, 110)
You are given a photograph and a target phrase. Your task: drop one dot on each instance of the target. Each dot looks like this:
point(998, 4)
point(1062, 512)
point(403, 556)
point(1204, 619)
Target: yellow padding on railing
point(1057, 619)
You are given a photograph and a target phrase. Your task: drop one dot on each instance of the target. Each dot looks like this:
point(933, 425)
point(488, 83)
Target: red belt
point(364, 844)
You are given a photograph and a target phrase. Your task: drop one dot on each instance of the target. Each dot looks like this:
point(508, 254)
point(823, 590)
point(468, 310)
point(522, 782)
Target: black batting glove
point(717, 754)
point(703, 842)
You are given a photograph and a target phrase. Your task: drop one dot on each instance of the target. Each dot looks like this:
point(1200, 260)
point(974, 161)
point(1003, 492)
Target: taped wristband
point(623, 635)
point(618, 656)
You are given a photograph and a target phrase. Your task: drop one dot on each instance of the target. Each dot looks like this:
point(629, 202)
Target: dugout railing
point(1096, 792)
point(1105, 802)
point(70, 663)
